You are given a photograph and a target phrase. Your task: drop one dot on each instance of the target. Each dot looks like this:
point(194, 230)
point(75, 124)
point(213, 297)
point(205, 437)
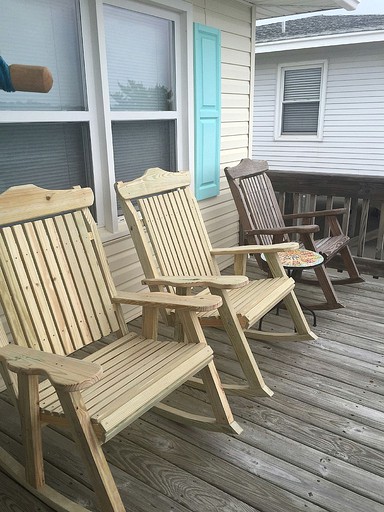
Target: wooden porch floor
point(317, 444)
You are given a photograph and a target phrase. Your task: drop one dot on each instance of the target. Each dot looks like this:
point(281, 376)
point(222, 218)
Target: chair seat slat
point(110, 394)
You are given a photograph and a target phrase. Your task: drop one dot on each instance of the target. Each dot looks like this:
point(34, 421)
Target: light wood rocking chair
point(58, 296)
point(262, 222)
point(175, 252)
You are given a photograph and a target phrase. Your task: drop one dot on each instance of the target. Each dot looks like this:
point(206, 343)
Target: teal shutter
point(207, 73)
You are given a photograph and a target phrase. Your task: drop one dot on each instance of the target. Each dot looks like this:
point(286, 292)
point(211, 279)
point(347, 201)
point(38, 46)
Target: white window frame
point(98, 94)
point(323, 64)
point(99, 117)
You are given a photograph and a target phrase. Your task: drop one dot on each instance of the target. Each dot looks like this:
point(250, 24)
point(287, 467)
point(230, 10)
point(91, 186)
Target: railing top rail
point(329, 184)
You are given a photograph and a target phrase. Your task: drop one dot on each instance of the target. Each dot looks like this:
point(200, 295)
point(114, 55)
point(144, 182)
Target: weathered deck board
point(316, 445)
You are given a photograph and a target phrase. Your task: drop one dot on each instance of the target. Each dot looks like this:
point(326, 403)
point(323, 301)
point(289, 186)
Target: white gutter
point(349, 5)
point(368, 36)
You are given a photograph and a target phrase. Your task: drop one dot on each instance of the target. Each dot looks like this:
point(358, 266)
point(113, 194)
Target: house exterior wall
point(353, 136)
point(219, 213)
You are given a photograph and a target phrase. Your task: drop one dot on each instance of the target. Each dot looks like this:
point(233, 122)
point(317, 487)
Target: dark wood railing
point(363, 197)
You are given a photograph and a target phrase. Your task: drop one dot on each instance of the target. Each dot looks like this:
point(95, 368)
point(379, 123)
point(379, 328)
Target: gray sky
point(365, 7)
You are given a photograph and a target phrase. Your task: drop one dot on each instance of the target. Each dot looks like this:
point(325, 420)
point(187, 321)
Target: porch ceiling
point(275, 8)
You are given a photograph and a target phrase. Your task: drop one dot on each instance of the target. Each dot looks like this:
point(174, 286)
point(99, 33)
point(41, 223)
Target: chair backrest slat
point(92, 270)
point(17, 294)
point(73, 252)
point(55, 288)
point(179, 243)
point(262, 204)
point(255, 198)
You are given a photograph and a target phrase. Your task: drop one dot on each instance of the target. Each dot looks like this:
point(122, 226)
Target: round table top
point(299, 258)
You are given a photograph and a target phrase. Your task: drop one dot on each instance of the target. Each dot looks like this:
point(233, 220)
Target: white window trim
point(98, 91)
point(279, 100)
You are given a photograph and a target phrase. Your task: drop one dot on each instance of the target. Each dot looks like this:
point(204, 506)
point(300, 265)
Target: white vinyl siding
point(353, 130)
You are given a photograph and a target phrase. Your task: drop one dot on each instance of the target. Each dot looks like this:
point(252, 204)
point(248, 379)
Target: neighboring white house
point(319, 94)
point(123, 99)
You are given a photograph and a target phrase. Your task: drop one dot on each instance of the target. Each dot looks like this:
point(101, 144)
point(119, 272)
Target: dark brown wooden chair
point(262, 222)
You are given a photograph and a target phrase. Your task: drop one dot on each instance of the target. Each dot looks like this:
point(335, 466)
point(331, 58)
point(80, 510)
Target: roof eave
point(320, 41)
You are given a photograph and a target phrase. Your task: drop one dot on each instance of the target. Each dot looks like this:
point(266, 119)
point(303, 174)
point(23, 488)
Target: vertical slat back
point(347, 214)
point(177, 233)
point(54, 291)
point(380, 235)
point(363, 227)
point(262, 204)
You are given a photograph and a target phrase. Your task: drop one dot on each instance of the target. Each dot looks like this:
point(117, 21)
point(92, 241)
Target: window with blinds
point(300, 101)
point(141, 77)
point(119, 101)
point(49, 152)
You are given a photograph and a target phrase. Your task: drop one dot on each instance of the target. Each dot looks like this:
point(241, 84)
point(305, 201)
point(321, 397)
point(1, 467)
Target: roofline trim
point(349, 5)
point(301, 43)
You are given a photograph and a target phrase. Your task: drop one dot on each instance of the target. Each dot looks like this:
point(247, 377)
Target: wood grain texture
point(262, 222)
point(58, 296)
point(174, 249)
point(315, 445)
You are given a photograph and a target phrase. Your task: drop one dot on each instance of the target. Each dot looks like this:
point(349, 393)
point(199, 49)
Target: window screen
point(44, 33)
point(140, 57)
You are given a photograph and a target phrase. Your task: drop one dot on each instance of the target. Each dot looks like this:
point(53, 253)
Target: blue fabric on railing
point(5, 77)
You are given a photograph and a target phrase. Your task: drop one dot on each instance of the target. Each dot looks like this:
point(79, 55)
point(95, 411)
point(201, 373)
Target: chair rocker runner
point(58, 296)
point(263, 223)
point(175, 252)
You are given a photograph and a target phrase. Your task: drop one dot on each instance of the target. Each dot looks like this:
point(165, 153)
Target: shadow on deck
point(317, 444)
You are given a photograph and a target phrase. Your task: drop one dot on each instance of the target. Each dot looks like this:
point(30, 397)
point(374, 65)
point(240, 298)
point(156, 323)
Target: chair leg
point(324, 280)
point(46, 494)
point(210, 378)
point(218, 399)
point(90, 448)
point(299, 321)
point(241, 346)
point(302, 330)
point(31, 477)
point(31, 429)
point(350, 267)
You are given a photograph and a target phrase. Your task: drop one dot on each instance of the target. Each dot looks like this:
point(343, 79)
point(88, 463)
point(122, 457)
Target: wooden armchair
point(175, 252)
point(262, 222)
point(58, 297)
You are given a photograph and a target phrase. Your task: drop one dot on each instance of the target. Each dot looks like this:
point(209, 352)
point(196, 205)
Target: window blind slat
point(139, 145)
point(50, 156)
point(302, 84)
point(300, 117)
point(301, 100)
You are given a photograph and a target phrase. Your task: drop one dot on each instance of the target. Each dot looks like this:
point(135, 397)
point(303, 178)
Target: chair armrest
point(220, 282)
point(65, 373)
point(169, 300)
point(252, 249)
point(319, 213)
point(306, 228)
